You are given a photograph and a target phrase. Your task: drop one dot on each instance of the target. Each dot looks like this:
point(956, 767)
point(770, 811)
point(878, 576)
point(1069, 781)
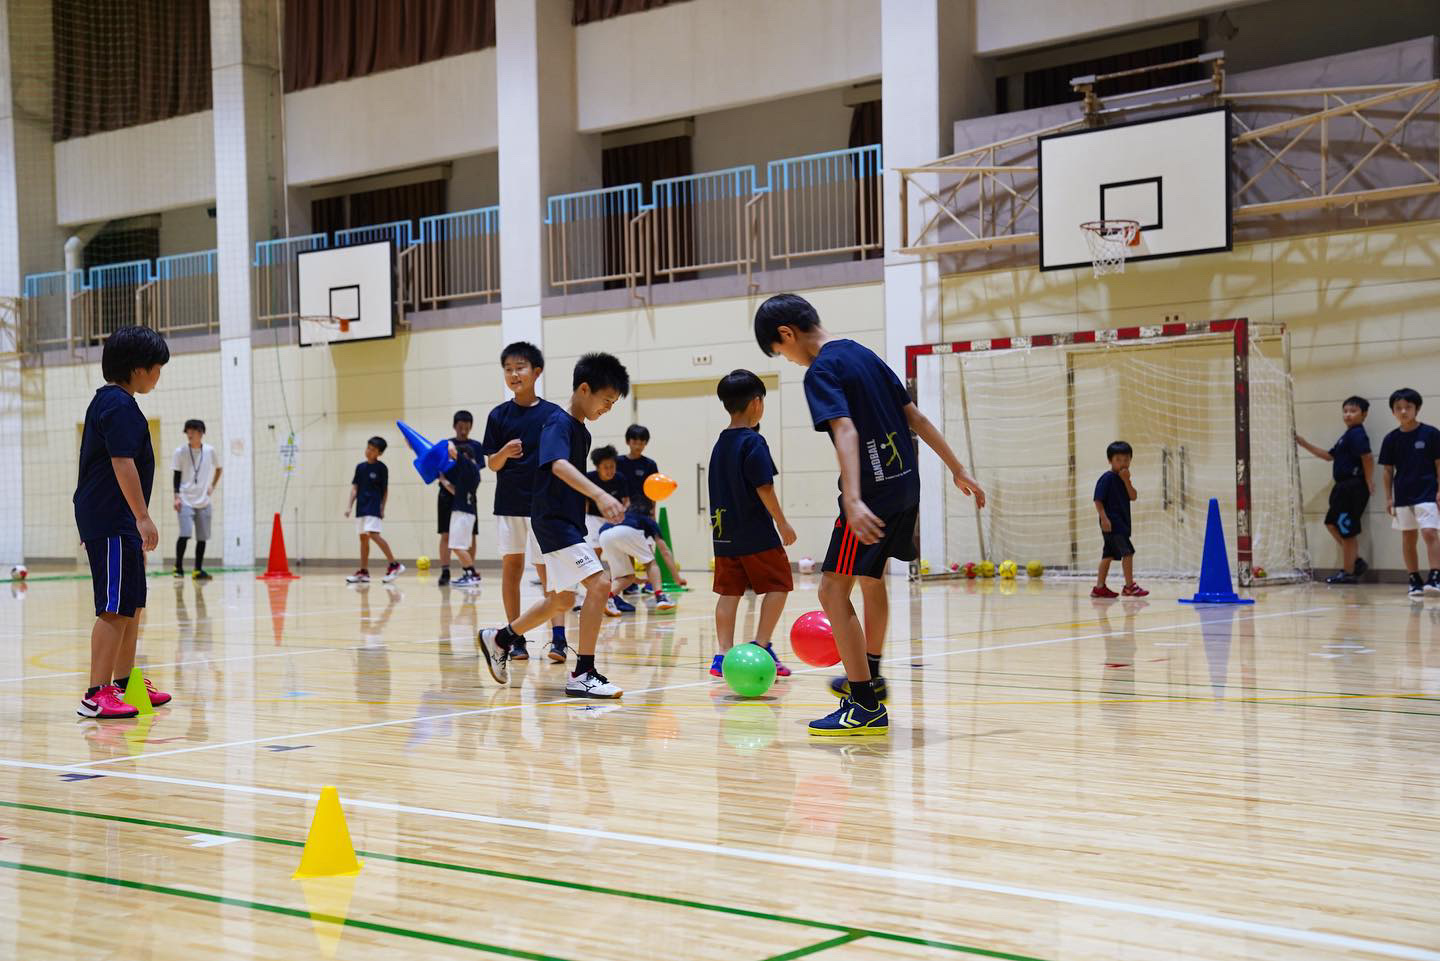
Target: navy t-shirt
point(114, 427)
point(640, 521)
point(476, 451)
point(615, 487)
point(515, 482)
point(465, 475)
point(1110, 492)
point(557, 514)
point(370, 481)
point(739, 522)
point(1413, 455)
point(847, 379)
point(1352, 445)
point(635, 470)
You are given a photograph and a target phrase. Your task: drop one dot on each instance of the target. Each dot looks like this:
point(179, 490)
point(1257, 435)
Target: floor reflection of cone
point(328, 901)
point(328, 851)
point(136, 737)
point(137, 695)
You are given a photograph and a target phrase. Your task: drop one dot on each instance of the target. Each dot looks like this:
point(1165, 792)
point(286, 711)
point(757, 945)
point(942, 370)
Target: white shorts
point(462, 531)
point(1416, 516)
point(513, 536)
point(369, 524)
point(623, 546)
point(567, 567)
point(592, 530)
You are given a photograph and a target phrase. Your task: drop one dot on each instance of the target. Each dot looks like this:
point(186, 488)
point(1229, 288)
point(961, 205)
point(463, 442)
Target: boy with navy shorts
point(511, 447)
point(748, 529)
point(557, 519)
point(463, 422)
point(369, 492)
point(1353, 468)
point(1112, 497)
point(112, 497)
point(1410, 455)
point(856, 398)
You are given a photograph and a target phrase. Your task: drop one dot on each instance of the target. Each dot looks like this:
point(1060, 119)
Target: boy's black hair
point(1118, 447)
point(738, 388)
point(1354, 400)
point(782, 310)
point(601, 454)
point(195, 423)
point(378, 443)
point(526, 351)
point(637, 432)
point(128, 350)
point(1404, 393)
point(462, 415)
point(602, 372)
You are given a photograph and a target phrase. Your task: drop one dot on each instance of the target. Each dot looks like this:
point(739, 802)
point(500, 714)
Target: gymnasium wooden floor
point(1064, 780)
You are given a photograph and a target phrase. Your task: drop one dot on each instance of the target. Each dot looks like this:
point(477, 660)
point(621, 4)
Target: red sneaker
point(157, 698)
point(1134, 590)
point(106, 703)
point(1102, 591)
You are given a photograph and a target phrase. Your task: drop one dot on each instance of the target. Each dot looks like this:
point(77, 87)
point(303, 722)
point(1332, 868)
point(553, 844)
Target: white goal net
point(1033, 416)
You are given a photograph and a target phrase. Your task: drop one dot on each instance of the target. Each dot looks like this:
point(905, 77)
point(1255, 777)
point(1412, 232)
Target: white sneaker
point(591, 684)
point(361, 576)
point(663, 604)
point(610, 609)
point(466, 580)
point(394, 571)
point(497, 659)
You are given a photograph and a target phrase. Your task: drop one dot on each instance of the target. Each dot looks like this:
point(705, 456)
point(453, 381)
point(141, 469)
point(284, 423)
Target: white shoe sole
point(495, 660)
point(592, 693)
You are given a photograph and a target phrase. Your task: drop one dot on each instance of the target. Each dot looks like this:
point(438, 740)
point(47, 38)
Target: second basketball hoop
point(1110, 242)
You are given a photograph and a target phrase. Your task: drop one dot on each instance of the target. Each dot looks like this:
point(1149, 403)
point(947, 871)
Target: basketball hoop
point(321, 329)
point(1110, 242)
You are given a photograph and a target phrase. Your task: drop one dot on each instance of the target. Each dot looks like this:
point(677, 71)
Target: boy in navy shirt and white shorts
point(856, 398)
point(112, 497)
point(1410, 455)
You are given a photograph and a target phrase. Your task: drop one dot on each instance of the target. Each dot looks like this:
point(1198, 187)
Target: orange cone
point(279, 567)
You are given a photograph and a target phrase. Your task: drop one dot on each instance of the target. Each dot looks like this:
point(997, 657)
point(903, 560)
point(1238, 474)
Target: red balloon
point(813, 641)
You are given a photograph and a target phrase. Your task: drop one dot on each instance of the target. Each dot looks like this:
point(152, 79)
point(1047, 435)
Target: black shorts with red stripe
point(851, 558)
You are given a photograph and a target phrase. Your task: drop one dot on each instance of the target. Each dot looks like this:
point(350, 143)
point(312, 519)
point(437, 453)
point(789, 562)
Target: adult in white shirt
point(196, 475)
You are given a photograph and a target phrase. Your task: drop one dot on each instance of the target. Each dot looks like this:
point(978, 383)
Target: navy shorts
point(117, 572)
point(1348, 499)
point(1117, 546)
point(851, 558)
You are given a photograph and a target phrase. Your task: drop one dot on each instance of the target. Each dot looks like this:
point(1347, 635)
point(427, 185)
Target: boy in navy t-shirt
point(369, 491)
point(464, 481)
point(557, 518)
point(634, 466)
point(636, 538)
point(1410, 455)
point(748, 529)
point(856, 398)
point(511, 447)
point(1113, 494)
point(463, 422)
point(112, 497)
point(607, 477)
point(1353, 469)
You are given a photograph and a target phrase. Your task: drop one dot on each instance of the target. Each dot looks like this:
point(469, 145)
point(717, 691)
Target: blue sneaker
point(716, 663)
point(852, 720)
point(647, 589)
point(632, 589)
point(840, 687)
point(623, 606)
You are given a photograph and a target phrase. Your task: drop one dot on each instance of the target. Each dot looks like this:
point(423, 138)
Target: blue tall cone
point(1215, 585)
point(431, 460)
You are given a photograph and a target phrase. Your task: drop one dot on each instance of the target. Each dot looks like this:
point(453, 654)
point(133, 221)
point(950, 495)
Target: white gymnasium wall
point(187, 229)
point(762, 132)
point(474, 181)
point(1004, 26)
point(136, 170)
point(1359, 307)
point(705, 55)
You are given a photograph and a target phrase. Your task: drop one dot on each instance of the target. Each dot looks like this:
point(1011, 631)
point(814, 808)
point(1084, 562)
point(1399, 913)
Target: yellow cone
point(137, 695)
point(328, 900)
point(328, 851)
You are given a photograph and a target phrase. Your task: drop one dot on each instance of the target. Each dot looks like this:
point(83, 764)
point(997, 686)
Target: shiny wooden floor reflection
point(1065, 779)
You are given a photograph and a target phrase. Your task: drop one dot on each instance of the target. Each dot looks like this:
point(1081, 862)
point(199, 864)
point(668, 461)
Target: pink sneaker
point(1102, 591)
point(1134, 590)
point(780, 669)
point(157, 697)
point(106, 703)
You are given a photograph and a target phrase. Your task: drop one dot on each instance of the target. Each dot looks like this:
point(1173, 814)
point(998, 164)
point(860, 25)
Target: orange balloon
point(658, 487)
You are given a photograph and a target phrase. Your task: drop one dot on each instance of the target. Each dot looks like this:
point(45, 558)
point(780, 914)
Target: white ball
point(19, 572)
point(807, 565)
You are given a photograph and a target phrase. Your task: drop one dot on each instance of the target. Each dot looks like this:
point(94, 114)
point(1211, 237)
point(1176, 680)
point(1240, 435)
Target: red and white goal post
point(1207, 408)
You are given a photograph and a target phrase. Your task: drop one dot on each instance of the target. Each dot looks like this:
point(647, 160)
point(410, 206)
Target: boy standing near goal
point(557, 517)
point(1113, 494)
point(369, 491)
point(196, 475)
point(1410, 455)
point(112, 497)
point(856, 398)
point(1353, 468)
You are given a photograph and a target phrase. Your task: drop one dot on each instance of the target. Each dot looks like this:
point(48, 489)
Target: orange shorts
point(763, 573)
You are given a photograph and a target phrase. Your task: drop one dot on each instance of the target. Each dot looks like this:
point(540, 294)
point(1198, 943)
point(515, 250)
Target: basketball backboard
point(355, 284)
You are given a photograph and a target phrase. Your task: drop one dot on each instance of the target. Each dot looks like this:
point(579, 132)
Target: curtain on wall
point(408, 202)
point(327, 41)
point(119, 63)
point(864, 131)
point(645, 163)
point(587, 11)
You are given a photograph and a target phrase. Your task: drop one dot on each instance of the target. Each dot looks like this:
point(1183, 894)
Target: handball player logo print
point(289, 452)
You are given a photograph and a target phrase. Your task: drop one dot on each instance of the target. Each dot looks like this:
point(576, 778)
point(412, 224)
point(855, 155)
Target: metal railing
point(825, 203)
point(457, 257)
point(113, 290)
point(184, 297)
point(396, 231)
point(44, 310)
point(277, 297)
point(590, 237)
point(701, 221)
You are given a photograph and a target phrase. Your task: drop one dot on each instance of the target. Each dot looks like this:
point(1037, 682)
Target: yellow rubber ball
point(987, 568)
point(1035, 569)
point(422, 563)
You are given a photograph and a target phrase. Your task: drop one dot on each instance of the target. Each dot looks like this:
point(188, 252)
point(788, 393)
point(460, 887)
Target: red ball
point(813, 641)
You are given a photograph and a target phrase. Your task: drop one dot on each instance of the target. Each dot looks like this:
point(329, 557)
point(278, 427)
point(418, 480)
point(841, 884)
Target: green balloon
point(749, 670)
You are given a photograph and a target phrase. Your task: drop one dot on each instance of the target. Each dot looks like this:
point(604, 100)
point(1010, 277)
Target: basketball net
point(1110, 242)
point(322, 329)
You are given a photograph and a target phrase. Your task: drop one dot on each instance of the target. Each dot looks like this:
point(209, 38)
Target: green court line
point(846, 929)
point(816, 948)
point(85, 577)
point(280, 909)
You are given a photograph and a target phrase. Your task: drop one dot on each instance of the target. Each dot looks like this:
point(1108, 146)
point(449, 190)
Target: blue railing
point(202, 263)
point(459, 257)
point(396, 231)
point(131, 273)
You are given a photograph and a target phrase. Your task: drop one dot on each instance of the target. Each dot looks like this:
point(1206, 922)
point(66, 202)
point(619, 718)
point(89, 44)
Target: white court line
point(373, 725)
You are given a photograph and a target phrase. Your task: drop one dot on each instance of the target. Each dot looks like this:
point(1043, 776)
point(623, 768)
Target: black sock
point(863, 693)
point(584, 663)
point(199, 555)
point(120, 682)
point(1435, 575)
point(874, 661)
point(180, 543)
point(90, 694)
point(470, 571)
point(507, 637)
point(1415, 578)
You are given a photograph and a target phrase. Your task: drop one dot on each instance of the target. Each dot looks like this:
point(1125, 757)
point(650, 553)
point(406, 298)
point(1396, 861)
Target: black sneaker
point(178, 572)
point(203, 576)
point(1432, 586)
point(1361, 567)
point(556, 652)
point(518, 652)
point(1341, 577)
point(444, 576)
point(1417, 588)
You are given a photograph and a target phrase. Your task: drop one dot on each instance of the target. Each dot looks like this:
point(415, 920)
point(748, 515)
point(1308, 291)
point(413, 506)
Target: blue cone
point(1215, 585)
point(431, 460)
